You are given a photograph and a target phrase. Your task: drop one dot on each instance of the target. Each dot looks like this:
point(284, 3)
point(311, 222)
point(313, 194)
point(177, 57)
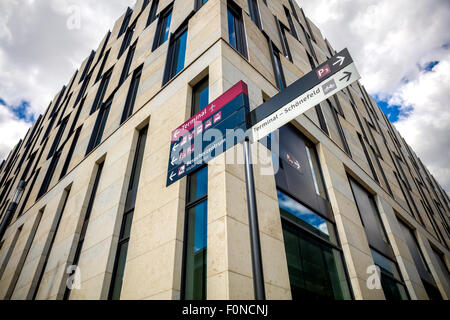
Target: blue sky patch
point(20, 111)
point(392, 112)
point(430, 65)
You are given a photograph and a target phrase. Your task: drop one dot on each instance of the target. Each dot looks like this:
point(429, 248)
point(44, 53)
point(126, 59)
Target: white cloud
point(427, 127)
point(39, 54)
point(391, 42)
point(12, 130)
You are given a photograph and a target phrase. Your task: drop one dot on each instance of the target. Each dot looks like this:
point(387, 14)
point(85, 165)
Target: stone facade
point(353, 138)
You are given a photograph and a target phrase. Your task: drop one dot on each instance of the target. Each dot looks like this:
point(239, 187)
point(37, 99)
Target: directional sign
point(307, 92)
point(212, 131)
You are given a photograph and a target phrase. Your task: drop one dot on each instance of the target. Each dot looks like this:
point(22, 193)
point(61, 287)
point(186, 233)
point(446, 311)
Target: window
point(369, 161)
point(390, 278)
point(49, 128)
point(277, 67)
point(126, 21)
point(82, 90)
point(254, 12)
point(75, 119)
point(48, 248)
point(176, 55)
point(199, 4)
point(70, 154)
point(132, 93)
point(369, 213)
point(145, 4)
point(284, 42)
point(49, 174)
point(87, 67)
point(153, 10)
point(441, 261)
point(10, 250)
point(127, 65)
point(76, 258)
point(236, 32)
point(315, 263)
point(316, 170)
point(200, 96)
point(127, 40)
point(58, 137)
point(102, 67)
point(291, 23)
point(163, 28)
point(124, 238)
point(193, 285)
point(98, 101)
point(23, 256)
point(420, 262)
point(99, 126)
point(104, 46)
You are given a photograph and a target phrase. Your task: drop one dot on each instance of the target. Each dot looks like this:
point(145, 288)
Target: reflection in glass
point(305, 217)
point(196, 236)
point(316, 270)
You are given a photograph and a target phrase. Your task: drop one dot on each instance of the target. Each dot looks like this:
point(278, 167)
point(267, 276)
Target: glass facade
point(390, 278)
point(195, 247)
point(315, 264)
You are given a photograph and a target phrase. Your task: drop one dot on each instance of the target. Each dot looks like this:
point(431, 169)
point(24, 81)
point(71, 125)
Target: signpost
point(320, 84)
point(191, 145)
point(230, 113)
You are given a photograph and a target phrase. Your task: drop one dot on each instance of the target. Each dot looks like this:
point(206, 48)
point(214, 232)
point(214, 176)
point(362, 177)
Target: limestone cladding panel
point(181, 10)
point(269, 26)
point(258, 50)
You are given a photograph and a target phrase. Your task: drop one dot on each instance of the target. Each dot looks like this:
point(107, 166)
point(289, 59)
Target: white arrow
point(340, 61)
point(172, 175)
point(176, 134)
point(297, 164)
point(175, 146)
point(173, 161)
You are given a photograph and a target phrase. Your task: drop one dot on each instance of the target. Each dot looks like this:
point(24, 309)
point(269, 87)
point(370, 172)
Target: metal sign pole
point(255, 242)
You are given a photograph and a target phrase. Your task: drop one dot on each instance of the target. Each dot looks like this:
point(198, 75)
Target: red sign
point(322, 72)
point(212, 108)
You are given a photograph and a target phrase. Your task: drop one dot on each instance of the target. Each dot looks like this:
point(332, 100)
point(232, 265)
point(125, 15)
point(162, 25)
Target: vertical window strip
point(102, 66)
point(163, 28)
point(193, 284)
point(124, 237)
point(236, 30)
point(369, 161)
point(49, 175)
point(87, 216)
point(87, 67)
point(70, 154)
point(126, 21)
point(46, 254)
point(153, 10)
point(98, 101)
point(24, 256)
point(254, 12)
point(176, 54)
point(10, 251)
point(30, 189)
point(127, 65)
point(99, 127)
point(132, 94)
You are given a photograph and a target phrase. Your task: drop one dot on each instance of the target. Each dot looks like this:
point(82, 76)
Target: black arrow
point(348, 75)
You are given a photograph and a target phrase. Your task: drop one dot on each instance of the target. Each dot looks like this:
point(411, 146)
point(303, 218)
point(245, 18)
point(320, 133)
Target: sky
point(401, 48)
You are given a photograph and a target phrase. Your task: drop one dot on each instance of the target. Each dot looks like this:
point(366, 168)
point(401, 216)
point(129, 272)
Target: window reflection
point(292, 209)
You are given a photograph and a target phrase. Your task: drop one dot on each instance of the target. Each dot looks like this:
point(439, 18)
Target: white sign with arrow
point(307, 100)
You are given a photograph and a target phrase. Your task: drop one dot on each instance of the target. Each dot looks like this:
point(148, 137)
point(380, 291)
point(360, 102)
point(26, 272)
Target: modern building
point(86, 187)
